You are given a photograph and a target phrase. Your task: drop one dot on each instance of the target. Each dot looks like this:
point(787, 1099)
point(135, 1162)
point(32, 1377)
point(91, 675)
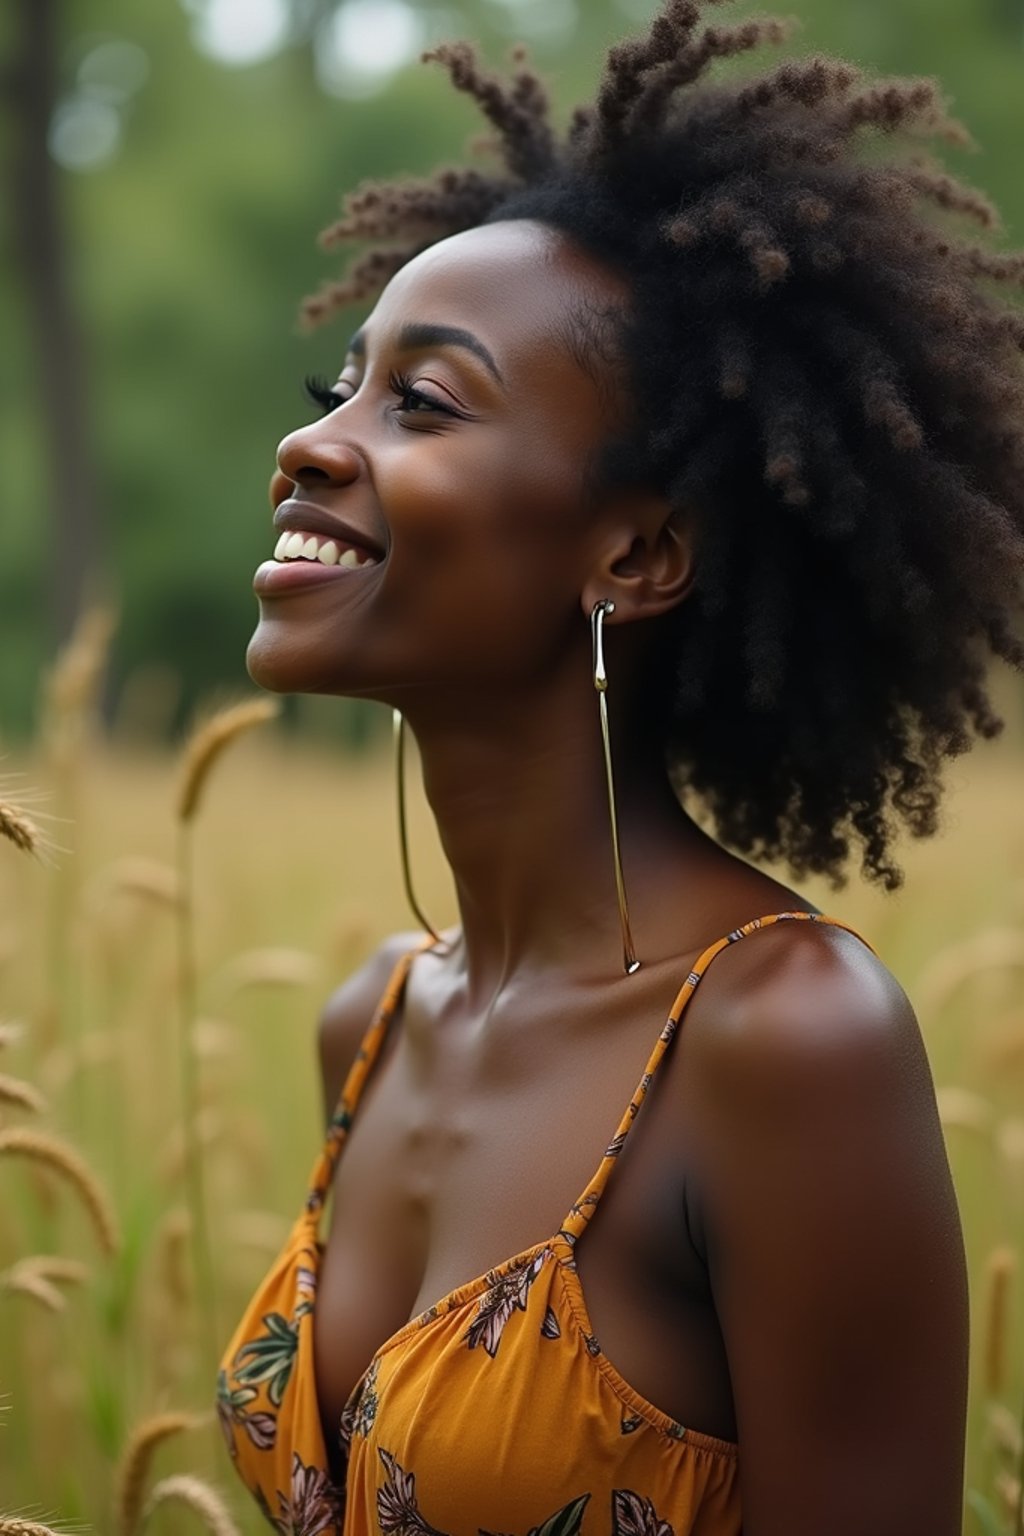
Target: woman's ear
point(644, 559)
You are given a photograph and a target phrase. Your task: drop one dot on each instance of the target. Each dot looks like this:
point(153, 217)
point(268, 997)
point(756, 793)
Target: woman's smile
point(313, 546)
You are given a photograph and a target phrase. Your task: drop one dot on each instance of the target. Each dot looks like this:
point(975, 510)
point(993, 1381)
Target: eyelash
point(328, 399)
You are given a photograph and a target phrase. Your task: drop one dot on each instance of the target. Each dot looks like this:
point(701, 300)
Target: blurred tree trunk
point(67, 478)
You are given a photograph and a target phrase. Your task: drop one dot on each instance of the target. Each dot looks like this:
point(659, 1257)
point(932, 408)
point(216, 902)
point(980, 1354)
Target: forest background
point(165, 169)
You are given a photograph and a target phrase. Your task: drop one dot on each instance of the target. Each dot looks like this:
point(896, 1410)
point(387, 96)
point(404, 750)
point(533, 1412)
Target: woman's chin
point(278, 667)
point(277, 663)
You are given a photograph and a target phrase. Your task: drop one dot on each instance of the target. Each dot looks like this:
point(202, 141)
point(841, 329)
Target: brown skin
point(778, 1259)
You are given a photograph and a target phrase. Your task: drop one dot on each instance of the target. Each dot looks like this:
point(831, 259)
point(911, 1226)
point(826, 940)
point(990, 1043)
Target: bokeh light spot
point(113, 71)
point(240, 32)
point(365, 42)
point(84, 133)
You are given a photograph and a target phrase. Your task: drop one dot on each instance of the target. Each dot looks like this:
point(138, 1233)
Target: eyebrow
point(417, 337)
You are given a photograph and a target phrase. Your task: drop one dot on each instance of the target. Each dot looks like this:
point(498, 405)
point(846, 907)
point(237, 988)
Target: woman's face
point(449, 478)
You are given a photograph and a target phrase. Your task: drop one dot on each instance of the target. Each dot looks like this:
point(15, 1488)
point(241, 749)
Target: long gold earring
point(398, 724)
point(597, 617)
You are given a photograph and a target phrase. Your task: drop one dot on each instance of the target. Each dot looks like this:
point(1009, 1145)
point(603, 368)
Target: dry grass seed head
point(264, 1230)
point(269, 967)
point(1008, 1492)
point(994, 949)
point(36, 1286)
point(11, 1031)
point(1002, 1267)
point(963, 1110)
point(173, 1262)
point(14, 1090)
point(74, 680)
point(50, 1152)
point(14, 1525)
point(201, 1497)
point(210, 740)
point(1010, 1141)
point(37, 1275)
point(1005, 1430)
point(19, 828)
point(210, 1127)
point(136, 1460)
point(149, 880)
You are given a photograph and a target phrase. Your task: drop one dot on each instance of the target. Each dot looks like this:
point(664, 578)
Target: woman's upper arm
point(835, 1252)
point(348, 1012)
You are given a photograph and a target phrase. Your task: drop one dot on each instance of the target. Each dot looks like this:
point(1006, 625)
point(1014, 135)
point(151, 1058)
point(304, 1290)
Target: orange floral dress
point(495, 1412)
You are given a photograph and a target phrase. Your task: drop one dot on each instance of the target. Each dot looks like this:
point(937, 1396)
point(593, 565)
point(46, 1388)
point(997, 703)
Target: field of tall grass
point(160, 975)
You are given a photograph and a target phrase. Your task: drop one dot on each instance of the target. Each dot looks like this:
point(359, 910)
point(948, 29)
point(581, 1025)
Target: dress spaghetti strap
point(355, 1081)
point(583, 1209)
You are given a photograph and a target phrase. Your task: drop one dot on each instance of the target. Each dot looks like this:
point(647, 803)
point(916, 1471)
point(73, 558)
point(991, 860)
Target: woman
point(705, 407)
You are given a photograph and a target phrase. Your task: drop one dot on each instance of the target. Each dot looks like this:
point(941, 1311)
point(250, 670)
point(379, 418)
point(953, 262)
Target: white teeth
point(313, 546)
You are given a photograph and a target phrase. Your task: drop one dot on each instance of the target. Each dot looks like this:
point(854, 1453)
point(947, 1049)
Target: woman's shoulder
point(805, 990)
point(349, 1010)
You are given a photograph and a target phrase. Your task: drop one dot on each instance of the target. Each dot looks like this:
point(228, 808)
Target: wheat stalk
point(14, 1525)
point(210, 740)
point(14, 1090)
point(146, 879)
point(36, 1286)
point(963, 1110)
point(1002, 1265)
point(19, 828)
point(62, 1158)
point(198, 1496)
point(133, 1468)
point(35, 1276)
point(203, 750)
point(76, 672)
point(269, 967)
point(1004, 1430)
point(10, 1033)
point(995, 949)
point(172, 1246)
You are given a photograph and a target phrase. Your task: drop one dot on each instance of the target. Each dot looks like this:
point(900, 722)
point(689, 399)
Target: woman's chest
point(449, 1172)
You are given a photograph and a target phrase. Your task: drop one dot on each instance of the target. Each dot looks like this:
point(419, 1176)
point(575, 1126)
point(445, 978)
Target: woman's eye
point(414, 400)
point(321, 393)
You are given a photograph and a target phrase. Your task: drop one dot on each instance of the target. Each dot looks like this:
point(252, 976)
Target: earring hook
point(601, 609)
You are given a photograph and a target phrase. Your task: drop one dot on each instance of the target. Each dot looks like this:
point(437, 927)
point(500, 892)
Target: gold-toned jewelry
point(398, 724)
point(601, 608)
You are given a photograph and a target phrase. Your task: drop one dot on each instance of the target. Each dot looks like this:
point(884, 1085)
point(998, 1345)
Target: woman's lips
point(294, 575)
point(303, 558)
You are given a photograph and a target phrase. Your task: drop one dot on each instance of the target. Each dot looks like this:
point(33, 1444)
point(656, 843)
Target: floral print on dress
point(550, 1328)
point(565, 1522)
point(398, 1513)
point(633, 1515)
point(271, 1356)
point(311, 1507)
point(360, 1411)
point(232, 1408)
point(507, 1294)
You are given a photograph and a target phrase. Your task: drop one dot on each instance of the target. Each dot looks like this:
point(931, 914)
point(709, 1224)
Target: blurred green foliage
point(188, 249)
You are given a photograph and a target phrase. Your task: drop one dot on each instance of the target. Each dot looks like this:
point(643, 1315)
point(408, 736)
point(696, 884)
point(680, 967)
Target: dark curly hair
point(825, 369)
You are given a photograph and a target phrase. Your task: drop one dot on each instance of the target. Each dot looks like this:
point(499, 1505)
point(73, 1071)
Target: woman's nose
point(313, 456)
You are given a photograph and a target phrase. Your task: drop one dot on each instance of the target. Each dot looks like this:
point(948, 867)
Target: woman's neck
point(521, 803)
